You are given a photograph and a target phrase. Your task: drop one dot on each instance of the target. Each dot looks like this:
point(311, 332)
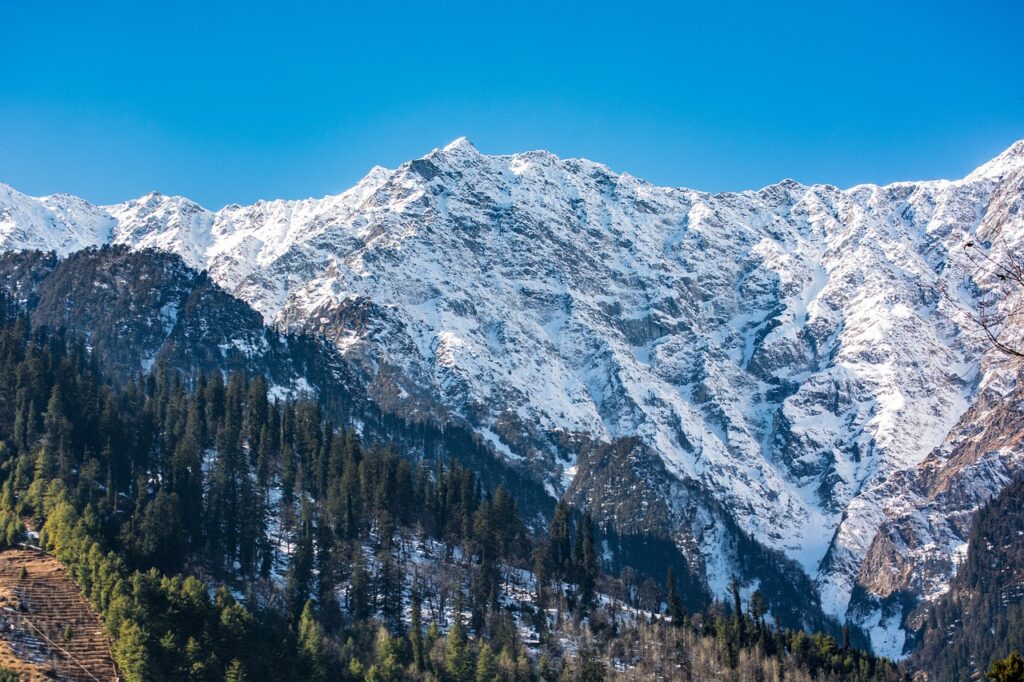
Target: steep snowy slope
point(60, 223)
point(790, 351)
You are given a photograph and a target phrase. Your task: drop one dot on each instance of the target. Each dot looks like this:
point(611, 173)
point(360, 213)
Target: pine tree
point(675, 605)
point(159, 536)
point(235, 672)
point(416, 626)
point(250, 521)
point(1009, 669)
point(359, 588)
point(386, 666)
point(505, 520)
point(129, 649)
point(46, 465)
point(559, 547)
point(486, 665)
point(589, 568)
point(214, 402)
point(739, 622)
point(458, 662)
point(327, 597)
point(484, 589)
point(58, 431)
point(541, 576)
point(300, 573)
point(312, 651)
point(257, 409)
point(389, 587)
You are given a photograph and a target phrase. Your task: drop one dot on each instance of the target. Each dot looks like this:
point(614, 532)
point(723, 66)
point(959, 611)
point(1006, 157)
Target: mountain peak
point(461, 144)
point(458, 153)
point(1010, 160)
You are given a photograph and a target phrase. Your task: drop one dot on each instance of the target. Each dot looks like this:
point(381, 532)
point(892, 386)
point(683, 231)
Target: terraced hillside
point(47, 629)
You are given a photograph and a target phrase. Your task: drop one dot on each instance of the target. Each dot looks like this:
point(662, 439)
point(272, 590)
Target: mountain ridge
point(1010, 158)
point(785, 348)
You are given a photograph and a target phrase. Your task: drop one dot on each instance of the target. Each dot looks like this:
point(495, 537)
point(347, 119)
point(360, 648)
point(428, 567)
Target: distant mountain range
point(786, 383)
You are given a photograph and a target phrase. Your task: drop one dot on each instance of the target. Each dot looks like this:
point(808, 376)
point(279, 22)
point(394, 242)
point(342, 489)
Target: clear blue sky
point(231, 102)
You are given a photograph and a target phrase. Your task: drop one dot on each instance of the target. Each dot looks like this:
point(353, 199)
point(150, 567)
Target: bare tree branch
point(996, 317)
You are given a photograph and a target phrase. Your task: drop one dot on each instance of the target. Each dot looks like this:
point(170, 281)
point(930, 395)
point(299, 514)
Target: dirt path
point(47, 629)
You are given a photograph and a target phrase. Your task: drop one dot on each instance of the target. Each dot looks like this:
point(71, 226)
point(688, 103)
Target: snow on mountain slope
point(788, 348)
point(60, 223)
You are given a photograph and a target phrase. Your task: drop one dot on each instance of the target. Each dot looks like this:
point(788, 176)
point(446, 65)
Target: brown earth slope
point(47, 629)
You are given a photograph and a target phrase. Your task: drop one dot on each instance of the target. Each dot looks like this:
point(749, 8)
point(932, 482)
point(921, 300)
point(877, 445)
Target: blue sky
point(231, 102)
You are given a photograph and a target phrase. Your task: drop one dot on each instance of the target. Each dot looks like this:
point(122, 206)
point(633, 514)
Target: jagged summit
point(782, 354)
point(461, 144)
point(1009, 161)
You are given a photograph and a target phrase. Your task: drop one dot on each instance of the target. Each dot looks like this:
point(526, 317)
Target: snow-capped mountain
point(802, 356)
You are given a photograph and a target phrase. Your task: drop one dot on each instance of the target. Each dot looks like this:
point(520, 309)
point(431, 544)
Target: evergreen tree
point(739, 622)
point(758, 607)
point(58, 432)
point(214, 402)
point(359, 588)
point(187, 475)
point(158, 538)
point(458, 661)
point(389, 587)
point(300, 573)
point(235, 672)
point(675, 605)
point(1009, 669)
point(312, 651)
point(386, 667)
point(486, 664)
point(131, 653)
point(46, 466)
point(416, 625)
point(330, 612)
point(559, 547)
point(541, 575)
point(485, 586)
point(590, 567)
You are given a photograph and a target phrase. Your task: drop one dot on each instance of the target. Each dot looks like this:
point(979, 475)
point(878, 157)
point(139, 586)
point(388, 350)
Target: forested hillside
point(981, 618)
point(147, 311)
point(222, 534)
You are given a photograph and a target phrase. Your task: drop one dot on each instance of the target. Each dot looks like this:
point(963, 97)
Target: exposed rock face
point(929, 512)
point(798, 360)
point(140, 309)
